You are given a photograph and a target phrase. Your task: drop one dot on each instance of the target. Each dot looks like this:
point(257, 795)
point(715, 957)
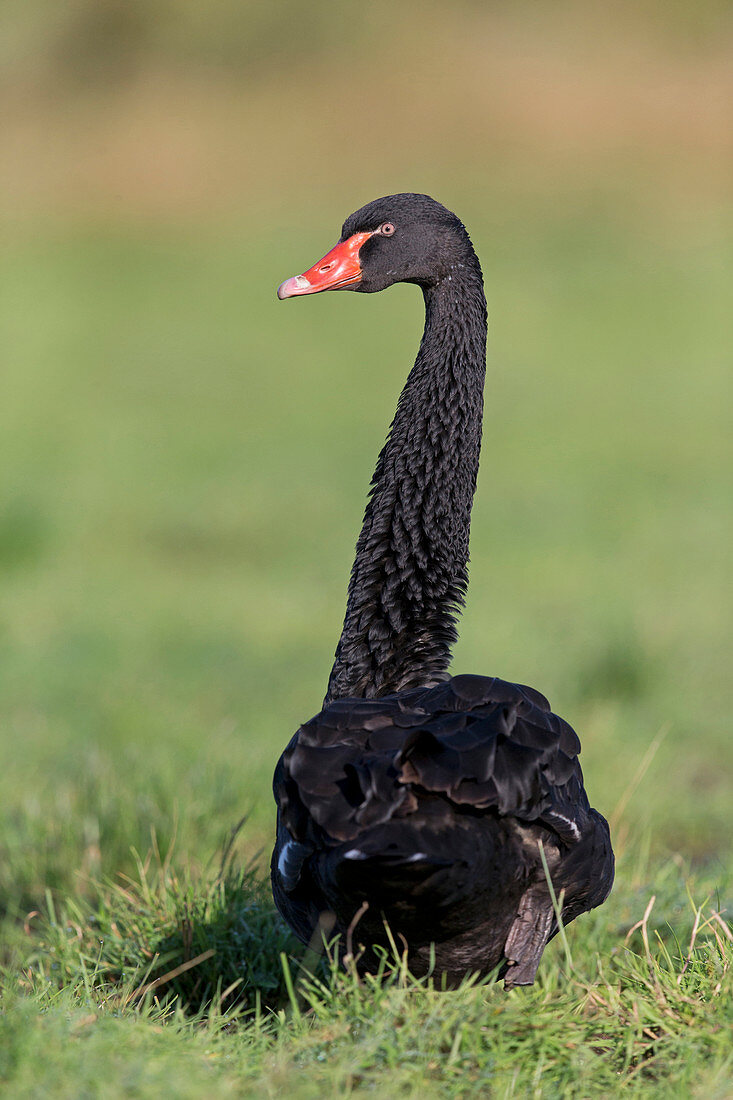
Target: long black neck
point(410, 575)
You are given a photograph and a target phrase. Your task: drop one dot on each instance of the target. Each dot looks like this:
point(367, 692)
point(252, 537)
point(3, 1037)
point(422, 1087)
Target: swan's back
point(429, 804)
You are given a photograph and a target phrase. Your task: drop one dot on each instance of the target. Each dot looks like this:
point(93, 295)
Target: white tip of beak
point(298, 284)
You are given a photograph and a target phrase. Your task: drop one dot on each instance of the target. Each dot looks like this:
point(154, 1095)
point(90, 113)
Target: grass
point(185, 462)
point(627, 1009)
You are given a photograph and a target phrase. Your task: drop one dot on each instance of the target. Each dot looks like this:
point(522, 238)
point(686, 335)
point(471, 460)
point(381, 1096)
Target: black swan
point(431, 804)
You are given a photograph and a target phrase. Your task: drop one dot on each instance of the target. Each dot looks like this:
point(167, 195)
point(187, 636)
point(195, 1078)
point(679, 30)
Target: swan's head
point(398, 239)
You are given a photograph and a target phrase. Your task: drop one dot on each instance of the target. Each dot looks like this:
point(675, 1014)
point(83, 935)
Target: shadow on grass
point(161, 935)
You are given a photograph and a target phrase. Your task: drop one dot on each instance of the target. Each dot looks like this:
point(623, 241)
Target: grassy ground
point(184, 463)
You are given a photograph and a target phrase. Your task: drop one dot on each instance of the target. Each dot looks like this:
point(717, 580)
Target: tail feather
point(384, 876)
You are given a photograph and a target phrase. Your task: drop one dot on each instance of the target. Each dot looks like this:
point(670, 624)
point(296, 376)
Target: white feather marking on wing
point(283, 858)
point(561, 817)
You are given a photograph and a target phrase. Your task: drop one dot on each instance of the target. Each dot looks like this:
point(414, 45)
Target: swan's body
point(423, 796)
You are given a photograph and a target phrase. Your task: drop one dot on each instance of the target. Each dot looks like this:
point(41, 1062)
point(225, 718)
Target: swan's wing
point(479, 742)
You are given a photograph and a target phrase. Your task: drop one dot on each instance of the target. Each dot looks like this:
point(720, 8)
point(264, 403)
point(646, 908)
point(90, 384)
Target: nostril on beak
point(325, 268)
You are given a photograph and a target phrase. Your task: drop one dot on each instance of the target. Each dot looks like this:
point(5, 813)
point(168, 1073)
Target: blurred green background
point(185, 459)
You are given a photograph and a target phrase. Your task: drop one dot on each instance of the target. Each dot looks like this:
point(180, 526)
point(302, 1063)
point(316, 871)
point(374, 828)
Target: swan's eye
point(387, 229)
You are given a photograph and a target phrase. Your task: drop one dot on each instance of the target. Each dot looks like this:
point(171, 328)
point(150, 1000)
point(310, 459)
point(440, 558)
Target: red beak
point(339, 268)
